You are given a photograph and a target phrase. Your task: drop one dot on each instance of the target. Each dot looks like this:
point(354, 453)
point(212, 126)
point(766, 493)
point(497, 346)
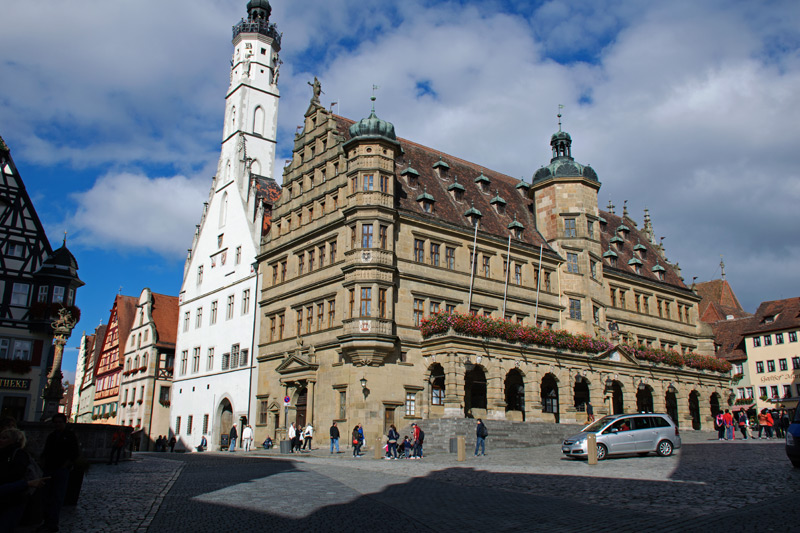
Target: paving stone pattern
point(707, 486)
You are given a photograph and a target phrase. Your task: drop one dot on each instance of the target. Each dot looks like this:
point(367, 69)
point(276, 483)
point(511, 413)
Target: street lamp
point(363, 383)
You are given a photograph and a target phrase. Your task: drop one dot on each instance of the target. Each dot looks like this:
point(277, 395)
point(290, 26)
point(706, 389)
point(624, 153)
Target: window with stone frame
point(365, 306)
point(382, 303)
point(309, 318)
point(342, 404)
point(572, 263)
point(311, 258)
point(450, 257)
point(366, 235)
point(575, 309)
point(281, 325)
point(368, 182)
point(518, 273)
point(383, 236)
point(419, 250)
point(419, 309)
point(411, 403)
point(331, 312)
point(320, 315)
point(434, 254)
point(486, 262)
point(384, 183)
point(352, 303)
point(332, 251)
point(569, 228)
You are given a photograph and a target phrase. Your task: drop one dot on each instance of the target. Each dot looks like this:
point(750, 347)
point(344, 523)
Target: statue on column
point(62, 328)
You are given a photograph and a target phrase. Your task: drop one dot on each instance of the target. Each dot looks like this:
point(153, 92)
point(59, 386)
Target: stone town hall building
point(373, 233)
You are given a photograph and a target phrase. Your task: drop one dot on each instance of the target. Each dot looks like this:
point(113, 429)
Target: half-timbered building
point(35, 282)
point(108, 369)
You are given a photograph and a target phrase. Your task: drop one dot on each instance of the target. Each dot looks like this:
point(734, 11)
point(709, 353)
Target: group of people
point(25, 483)
point(162, 442)
point(409, 448)
point(767, 421)
point(300, 437)
point(247, 438)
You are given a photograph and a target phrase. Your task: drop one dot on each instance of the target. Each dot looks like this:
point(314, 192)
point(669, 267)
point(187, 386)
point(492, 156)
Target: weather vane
point(560, 107)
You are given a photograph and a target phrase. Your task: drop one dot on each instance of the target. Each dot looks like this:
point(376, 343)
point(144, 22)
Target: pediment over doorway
point(294, 363)
point(618, 354)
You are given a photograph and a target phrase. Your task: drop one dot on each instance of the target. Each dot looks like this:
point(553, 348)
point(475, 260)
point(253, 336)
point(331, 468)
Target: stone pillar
point(659, 397)
point(629, 390)
point(533, 395)
point(597, 395)
point(566, 401)
point(453, 400)
point(495, 391)
point(310, 404)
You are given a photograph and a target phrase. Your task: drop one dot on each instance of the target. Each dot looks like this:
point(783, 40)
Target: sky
point(114, 110)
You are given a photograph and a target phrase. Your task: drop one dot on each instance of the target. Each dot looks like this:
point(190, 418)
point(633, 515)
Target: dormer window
point(769, 319)
point(473, 215)
point(441, 168)
point(659, 272)
point(457, 190)
point(516, 228)
point(498, 203)
point(523, 187)
point(640, 250)
point(426, 201)
point(483, 182)
point(412, 176)
point(636, 264)
point(623, 230)
point(618, 241)
point(611, 257)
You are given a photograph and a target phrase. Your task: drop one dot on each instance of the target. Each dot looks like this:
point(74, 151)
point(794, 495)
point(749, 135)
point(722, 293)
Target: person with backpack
point(481, 433)
point(393, 437)
point(419, 437)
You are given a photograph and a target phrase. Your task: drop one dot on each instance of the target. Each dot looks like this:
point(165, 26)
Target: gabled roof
point(718, 301)
point(625, 252)
point(126, 313)
point(450, 211)
point(776, 315)
point(729, 338)
point(165, 319)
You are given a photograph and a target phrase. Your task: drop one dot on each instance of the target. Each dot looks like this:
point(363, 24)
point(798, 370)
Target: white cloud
point(129, 212)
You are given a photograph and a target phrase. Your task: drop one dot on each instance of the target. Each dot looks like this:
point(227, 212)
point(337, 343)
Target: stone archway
point(225, 417)
point(694, 409)
point(713, 403)
point(474, 392)
point(671, 400)
point(549, 391)
point(515, 395)
point(617, 398)
point(644, 399)
point(300, 407)
point(582, 395)
point(437, 383)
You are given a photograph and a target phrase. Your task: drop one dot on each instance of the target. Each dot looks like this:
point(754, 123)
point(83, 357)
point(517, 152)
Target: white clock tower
point(214, 367)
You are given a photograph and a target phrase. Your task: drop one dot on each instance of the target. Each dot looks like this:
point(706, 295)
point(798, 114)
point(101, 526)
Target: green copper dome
point(373, 127)
point(562, 165)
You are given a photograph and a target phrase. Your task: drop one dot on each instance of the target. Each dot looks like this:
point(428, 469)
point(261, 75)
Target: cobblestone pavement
point(707, 485)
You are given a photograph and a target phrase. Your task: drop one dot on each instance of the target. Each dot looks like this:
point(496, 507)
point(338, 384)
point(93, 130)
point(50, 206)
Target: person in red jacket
point(728, 420)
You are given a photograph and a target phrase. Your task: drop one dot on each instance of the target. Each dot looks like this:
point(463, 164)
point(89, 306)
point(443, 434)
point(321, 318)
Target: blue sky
point(113, 112)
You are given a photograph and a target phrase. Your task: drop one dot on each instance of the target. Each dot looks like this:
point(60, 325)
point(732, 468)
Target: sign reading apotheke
point(15, 384)
point(785, 377)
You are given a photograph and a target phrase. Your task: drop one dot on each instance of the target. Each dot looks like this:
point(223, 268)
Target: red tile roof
point(446, 208)
point(625, 252)
point(729, 338)
point(718, 301)
point(126, 313)
point(777, 315)
point(165, 318)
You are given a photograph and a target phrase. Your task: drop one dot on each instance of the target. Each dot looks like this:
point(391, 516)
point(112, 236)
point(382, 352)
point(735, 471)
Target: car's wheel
point(664, 448)
point(602, 451)
point(795, 461)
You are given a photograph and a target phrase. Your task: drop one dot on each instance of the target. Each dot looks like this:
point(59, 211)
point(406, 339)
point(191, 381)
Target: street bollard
point(591, 444)
point(461, 445)
point(378, 448)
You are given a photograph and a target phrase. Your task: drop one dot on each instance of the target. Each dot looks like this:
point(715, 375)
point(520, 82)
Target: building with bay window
point(373, 235)
point(35, 283)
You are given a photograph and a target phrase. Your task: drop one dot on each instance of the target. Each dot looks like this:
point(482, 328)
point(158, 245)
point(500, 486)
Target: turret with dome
point(562, 164)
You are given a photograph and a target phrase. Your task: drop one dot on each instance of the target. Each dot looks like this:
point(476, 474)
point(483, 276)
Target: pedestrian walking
point(357, 441)
point(480, 435)
point(334, 432)
point(247, 437)
point(589, 412)
point(727, 418)
point(117, 445)
point(308, 434)
point(719, 425)
point(172, 442)
point(393, 436)
point(233, 435)
point(741, 419)
point(785, 422)
point(291, 434)
point(60, 452)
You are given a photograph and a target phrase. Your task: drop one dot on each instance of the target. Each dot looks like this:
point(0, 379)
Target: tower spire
point(722, 266)
point(560, 107)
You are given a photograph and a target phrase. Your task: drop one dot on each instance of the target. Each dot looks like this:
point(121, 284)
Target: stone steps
point(502, 433)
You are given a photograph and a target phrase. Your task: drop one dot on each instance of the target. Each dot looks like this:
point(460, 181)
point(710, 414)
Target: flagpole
point(472, 269)
point(508, 268)
point(538, 284)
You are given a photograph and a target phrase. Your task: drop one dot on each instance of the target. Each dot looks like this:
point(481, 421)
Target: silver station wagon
point(620, 434)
